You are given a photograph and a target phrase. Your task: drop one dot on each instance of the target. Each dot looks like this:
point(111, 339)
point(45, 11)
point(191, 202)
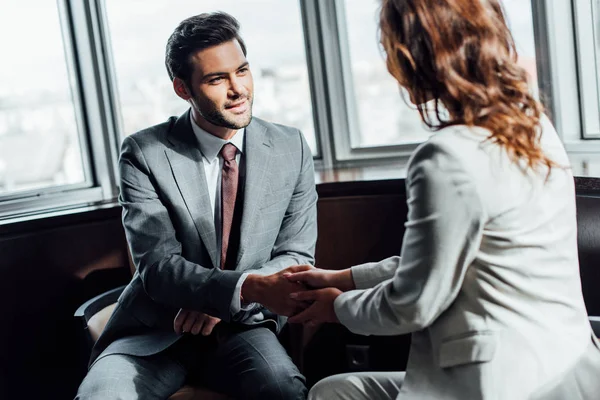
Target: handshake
point(304, 293)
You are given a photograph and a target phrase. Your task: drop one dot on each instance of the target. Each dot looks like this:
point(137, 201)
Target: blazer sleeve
point(371, 274)
point(297, 237)
point(168, 278)
point(443, 233)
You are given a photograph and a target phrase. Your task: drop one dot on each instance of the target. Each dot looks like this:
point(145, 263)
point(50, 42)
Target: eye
point(243, 71)
point(215, 81)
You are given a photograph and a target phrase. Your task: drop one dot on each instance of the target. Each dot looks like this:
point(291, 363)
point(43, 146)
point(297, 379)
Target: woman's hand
point(320, 278)
point(320, 309)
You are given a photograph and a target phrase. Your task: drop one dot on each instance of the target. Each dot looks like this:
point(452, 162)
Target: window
point(378, 114)
point(40, 144)
point(375, 102)
point(93, 72)
point(276, 51)
point(587, 14)
point(519, 17)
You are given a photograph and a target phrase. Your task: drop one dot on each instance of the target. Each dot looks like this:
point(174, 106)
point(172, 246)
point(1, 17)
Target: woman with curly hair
point(488, 277)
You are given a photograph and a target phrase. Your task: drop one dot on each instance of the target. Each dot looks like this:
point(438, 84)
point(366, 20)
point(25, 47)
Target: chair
point(595, 322)
point(94, 315)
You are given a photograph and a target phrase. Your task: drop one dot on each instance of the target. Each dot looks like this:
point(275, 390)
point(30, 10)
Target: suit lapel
point(185, 159)
point(257, 156)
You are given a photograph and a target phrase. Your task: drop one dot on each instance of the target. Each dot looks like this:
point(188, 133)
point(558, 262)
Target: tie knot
point(228, 151)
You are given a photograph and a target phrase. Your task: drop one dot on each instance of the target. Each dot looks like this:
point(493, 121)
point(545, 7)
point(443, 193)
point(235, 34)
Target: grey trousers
point(250, 364)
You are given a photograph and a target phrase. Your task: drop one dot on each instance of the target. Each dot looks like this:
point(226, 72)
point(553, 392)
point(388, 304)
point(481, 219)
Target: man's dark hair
point(198, 33)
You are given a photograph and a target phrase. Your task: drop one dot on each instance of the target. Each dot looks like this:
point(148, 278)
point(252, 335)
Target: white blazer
point(488, 278)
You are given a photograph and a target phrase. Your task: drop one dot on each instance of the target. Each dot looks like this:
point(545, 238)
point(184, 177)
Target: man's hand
point(273, 291)
point(321, 310)
point(320, 278)
point(194, 322)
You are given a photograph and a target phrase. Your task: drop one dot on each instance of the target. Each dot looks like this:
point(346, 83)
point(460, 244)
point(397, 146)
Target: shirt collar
point(210, 145)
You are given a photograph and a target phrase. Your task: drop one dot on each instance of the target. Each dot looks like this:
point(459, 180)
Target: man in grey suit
point(217, 206)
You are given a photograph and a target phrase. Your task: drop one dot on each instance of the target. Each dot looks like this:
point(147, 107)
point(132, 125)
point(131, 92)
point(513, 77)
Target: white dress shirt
point(210, 146)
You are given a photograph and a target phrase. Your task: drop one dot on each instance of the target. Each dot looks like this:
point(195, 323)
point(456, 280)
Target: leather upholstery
point(97, 323)
point(588, 243)
point(196, 393)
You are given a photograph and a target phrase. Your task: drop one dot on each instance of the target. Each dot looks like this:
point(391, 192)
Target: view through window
point(39, 141)
point(271, 29)
point(383, 116)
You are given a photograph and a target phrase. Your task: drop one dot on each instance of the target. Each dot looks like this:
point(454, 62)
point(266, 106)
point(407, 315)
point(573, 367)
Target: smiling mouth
point(237, 106)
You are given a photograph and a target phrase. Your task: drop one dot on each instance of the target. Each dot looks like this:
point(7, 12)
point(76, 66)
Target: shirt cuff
point(236, 301)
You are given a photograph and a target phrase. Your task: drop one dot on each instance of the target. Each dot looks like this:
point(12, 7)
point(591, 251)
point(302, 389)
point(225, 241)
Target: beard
point(220, 116)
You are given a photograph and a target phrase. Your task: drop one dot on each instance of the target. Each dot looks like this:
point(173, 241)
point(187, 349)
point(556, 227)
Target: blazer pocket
point(471, 347)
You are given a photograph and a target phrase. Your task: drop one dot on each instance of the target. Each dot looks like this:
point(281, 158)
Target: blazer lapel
point(257, 156)
point(185, 159)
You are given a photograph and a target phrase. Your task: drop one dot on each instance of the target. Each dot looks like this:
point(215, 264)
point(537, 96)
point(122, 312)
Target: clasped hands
point(322, 288)
point(304, 293)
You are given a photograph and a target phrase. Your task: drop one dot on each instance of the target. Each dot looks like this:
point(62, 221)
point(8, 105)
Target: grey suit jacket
point(170, 229)
point(488, 279)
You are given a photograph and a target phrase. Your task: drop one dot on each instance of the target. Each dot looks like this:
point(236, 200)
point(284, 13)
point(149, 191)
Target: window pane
point(272, 30)
point(591, 128)
point(39, 141)
point(520, 21)
point(382, 115)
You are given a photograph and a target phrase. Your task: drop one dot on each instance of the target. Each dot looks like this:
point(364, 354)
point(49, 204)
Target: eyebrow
point(216, 74)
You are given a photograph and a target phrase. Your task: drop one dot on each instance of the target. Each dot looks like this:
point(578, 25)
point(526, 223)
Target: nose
point(235, 87)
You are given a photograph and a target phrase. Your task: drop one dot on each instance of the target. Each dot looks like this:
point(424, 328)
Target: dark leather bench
point(588, 243)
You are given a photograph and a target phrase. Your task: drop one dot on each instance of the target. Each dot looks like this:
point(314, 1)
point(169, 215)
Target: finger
point(209, 326)
point(179, 319)
point(312, 324)
point(304, 316)
point(299, 307)
point(302, 276)
point(307, 295)
point(299, 268)
point(198, 325)
point(190, 321)
point(291, 287)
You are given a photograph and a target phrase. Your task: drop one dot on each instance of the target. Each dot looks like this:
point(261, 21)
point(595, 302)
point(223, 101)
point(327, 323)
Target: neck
point(218, 131)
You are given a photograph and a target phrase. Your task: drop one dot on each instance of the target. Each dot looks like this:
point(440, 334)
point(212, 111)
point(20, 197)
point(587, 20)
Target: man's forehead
point(225, 57)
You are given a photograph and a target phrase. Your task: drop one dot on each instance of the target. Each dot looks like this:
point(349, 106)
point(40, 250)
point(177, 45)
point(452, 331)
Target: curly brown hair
point(461, 54)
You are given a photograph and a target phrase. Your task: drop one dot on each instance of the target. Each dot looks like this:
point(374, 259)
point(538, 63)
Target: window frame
point(572, 102)
point(88, 79)
point(75, 97)
point(334, 61)
point(584, 15)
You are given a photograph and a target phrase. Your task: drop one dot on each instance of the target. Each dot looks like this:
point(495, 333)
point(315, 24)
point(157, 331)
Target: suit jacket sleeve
point(371, 274)
point(442, 237)
point(168, 278)
point(297, 238)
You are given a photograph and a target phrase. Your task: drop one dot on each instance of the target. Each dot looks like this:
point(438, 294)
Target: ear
point(181, 89)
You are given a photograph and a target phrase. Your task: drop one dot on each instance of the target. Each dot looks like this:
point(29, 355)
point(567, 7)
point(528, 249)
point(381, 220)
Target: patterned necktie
point(229, 189)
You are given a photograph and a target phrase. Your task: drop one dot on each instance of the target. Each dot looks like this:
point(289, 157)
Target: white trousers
point(358, 386)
